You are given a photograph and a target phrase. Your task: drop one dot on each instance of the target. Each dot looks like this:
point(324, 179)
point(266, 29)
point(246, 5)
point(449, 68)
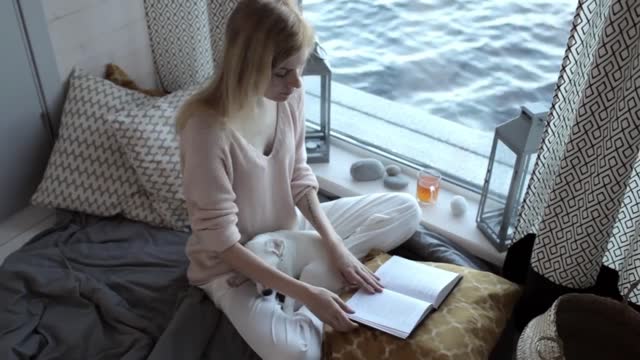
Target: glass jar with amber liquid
point(428, 186)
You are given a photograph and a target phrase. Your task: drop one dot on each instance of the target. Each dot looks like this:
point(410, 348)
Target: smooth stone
point(367, 170)
point(458, 205)
point(396, 182)
point(312, 145)
point(393, 170)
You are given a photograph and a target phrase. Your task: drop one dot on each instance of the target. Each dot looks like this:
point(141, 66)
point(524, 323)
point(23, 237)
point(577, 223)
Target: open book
point(411, 291)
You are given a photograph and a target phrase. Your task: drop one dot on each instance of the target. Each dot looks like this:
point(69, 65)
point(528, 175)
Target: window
point(428, 80)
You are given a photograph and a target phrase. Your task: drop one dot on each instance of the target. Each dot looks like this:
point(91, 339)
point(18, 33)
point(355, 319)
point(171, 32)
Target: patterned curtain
point(186, 37)
point(583, 199)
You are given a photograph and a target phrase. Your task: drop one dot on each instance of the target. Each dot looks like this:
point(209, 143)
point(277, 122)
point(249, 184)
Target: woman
point(245, 173)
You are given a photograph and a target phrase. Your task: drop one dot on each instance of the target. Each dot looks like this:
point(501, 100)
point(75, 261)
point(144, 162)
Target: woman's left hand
point(353, 272)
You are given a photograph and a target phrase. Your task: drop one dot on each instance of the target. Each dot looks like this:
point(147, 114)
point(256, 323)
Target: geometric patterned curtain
point(582, 200)
point(623, 251)
point(583, 40)
point(186, 38)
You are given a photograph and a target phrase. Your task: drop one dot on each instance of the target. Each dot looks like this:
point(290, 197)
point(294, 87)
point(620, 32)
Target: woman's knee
point(402, 217)
point(409, 211)
point(407, 218)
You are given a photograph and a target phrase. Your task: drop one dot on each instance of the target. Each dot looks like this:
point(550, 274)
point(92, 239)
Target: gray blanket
point(95, 288)
point(107, 289)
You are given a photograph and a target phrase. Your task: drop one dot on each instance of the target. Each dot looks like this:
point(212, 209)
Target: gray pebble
point(312, 145)
point(393, 170)
point(397, 182)
point(367, 170)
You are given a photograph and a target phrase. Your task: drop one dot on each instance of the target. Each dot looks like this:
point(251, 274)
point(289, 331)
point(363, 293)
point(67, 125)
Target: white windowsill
point(18, 229)
point(334, 177)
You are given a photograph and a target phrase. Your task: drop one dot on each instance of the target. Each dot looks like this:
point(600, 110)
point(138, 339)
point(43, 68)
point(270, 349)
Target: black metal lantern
point(317, 74)
point(515, 145)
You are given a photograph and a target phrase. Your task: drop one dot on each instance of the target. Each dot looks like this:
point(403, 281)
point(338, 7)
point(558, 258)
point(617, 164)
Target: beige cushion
point(87, 171)
point(466, 326)
point(148, 138)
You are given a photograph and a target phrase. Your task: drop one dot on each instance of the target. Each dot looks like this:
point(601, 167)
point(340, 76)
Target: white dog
point(300, 254)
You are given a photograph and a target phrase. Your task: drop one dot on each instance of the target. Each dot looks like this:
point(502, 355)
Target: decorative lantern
point(513, 153)
point(317, 74)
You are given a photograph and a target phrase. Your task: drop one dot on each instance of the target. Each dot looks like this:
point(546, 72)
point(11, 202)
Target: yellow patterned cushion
point(466, 326)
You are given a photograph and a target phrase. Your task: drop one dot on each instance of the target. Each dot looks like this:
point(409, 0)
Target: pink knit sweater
point(234, 192)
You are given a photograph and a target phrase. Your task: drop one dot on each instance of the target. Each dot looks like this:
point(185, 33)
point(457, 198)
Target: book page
point(445, 291)
point(388, 311)
point(416, 280)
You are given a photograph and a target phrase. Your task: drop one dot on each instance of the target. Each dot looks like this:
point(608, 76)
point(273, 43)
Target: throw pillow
point(466, 326)
point(118, 76)
point(149, 140)
point(87, 171)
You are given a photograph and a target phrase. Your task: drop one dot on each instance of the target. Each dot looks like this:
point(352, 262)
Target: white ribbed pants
point(381, 221)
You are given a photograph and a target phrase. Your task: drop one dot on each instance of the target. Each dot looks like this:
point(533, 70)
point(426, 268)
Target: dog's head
point(271, 250)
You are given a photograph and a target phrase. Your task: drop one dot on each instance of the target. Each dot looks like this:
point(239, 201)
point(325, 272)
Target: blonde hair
point(260, 35)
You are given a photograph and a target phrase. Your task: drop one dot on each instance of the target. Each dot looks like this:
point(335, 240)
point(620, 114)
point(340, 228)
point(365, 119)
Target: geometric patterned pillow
point(186, 38)
point(149, 139)
point(87, 171)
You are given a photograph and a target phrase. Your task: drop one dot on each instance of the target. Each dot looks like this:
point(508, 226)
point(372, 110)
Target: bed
point(107, 288)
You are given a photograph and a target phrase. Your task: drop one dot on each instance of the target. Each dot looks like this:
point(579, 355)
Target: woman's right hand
point(329, 308)
point(324, 304)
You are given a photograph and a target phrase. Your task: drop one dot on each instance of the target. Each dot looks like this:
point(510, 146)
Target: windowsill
point(334, 177)
point(461, 151)
point(20, 228)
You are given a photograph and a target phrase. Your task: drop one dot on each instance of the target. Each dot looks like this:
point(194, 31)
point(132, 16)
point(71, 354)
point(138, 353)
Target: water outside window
point(430, 79)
